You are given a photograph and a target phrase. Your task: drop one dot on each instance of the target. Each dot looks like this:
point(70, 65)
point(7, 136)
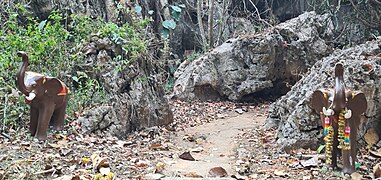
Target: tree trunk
point(200, 24)
point(210, 22)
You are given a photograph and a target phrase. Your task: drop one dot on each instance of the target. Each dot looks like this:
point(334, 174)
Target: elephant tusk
point(328, 112)
point(348, 114)
point(31, 96)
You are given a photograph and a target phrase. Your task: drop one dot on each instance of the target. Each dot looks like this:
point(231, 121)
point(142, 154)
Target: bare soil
point(213, 145)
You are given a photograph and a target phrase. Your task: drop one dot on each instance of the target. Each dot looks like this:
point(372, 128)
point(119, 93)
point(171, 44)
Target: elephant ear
point(52, 86)
point(357, 104)
point(318, 101)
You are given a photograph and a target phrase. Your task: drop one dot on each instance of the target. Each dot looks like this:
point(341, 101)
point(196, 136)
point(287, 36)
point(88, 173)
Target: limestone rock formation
point(136, 99)
point(298, 126)
point(256, 64)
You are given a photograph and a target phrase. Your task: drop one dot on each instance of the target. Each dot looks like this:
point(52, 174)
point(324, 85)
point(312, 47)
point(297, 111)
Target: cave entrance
point(280, 88)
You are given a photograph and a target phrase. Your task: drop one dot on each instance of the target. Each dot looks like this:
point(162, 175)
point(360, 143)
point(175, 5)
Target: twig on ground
point(5, 135)
point(52, 170)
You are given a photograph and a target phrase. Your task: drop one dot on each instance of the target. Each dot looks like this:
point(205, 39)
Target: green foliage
point(194, 55)
point(170, 83)
point(53, 50)
point(44, 42)
point(89, 92)
point(129, 37)
point(320, 149)
point(170, 24)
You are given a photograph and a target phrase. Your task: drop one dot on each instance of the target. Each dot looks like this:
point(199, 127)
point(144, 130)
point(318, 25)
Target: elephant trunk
point(339, 100)
point(20, 76)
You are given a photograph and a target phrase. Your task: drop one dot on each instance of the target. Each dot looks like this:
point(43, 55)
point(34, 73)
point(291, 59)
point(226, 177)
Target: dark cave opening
point(280, 88)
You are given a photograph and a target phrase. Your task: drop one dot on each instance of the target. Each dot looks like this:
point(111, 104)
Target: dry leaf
point(377, 171)
point(63, 143)
point(66, 177)
point(142, 163)
point(253, 176)
point(159, 167)
point(104, 171)
point(312, 162)
point(94, 157)
point(2, 157)
point(356, 176)
point(2, 172)
point(376, 153)
point(60, 144)
point(109, 176)
point(153, 176)
point(65, 151)
point(158, 146)
point(102, 162)
point(217, 172)
point(98, 161)
point(192, 175)
point(280, 172)
point(371, 137)
point(198, 149)
point(85, 160)
point(186, 156)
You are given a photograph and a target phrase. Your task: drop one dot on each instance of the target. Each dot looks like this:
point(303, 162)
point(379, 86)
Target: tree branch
point(258, 14)
point(362, 18)
point(377, 2)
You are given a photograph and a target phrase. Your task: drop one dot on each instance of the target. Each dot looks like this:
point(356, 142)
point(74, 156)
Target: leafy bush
point(44, 42)
point(53, 50)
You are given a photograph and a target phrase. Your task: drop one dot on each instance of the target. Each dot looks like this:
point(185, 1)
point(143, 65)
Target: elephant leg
point(58, 118)
point(353, 139)
point(347, 168)
point(350, 158)
point(335, 144)
point(45, 114)
point(33, 120)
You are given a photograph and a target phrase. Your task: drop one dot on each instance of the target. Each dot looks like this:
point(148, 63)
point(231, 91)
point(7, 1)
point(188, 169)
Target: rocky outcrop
point(136, 99)
point(298, 126)
point(257, 64)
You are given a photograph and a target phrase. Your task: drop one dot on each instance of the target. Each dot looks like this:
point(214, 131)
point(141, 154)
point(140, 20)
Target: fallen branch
point(52, 170)
point(6, 135)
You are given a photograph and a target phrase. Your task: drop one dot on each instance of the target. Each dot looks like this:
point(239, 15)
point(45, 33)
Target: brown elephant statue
point(47, 97)
point(340, 111)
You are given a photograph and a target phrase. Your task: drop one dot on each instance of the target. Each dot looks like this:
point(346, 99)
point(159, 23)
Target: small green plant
point(88, 92)
point(169, 84)
point(193, 56)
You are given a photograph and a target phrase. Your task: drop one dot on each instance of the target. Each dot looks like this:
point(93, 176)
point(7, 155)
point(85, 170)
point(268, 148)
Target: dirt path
point(215, 141)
